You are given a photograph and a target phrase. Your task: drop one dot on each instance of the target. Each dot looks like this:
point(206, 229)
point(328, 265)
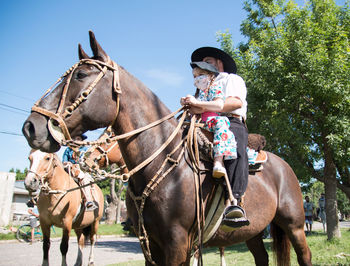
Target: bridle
point(59, 116)
point(162, 172)
point(43, 183)
point(103, 149)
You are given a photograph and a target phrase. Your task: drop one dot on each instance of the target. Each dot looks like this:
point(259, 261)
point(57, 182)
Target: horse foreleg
point(94, 228)
point(257, 248)
point(64, 245)
point(46, 243)
point(222, 256)
point(81, 240)
point(195, 258)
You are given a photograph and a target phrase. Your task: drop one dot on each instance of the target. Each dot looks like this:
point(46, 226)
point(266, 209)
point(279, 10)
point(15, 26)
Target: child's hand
point(190, 100)
point(183, 101)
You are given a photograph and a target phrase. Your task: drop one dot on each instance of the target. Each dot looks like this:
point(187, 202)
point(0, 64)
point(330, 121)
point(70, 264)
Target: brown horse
point(164, 210)
point(104, 154)
point(60, 204)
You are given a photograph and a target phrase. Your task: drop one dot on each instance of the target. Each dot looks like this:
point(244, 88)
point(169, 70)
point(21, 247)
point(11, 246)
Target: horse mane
point(59, 162)
point(149, 94)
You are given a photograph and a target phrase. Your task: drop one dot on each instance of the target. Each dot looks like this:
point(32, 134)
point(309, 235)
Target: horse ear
point(82, 54)
point(96, 49)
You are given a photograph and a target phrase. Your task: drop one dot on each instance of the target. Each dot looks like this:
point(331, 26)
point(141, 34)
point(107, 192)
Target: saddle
point(256, 143)
point(214, 215)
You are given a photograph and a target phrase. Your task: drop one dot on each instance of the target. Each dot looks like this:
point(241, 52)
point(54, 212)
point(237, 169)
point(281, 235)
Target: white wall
point(7, 181)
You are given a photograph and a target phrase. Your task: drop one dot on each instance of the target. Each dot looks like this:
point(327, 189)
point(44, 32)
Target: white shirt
point(234, 86)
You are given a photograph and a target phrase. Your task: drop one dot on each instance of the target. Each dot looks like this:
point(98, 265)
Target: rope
point(191, 141)
point(126, 135)
point(153, 183)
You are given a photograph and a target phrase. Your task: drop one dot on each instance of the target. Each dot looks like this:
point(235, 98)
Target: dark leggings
point(237, 169)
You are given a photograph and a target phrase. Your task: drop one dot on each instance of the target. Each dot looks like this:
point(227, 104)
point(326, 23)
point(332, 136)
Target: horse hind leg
point(81, 241)
point(298, 239)
point(257, 248)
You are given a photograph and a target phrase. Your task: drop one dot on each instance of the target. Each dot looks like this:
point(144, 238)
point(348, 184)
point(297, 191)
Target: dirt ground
point(108, 250)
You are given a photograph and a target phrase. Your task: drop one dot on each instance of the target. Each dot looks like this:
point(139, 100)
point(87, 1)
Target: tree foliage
point(296, 63)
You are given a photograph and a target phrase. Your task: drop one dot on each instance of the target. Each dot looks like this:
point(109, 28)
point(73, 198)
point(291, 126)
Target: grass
point(104, 229)
point(336, 252)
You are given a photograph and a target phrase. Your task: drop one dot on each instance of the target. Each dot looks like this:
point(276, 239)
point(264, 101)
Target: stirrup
point(236, 222)
point(233, 212)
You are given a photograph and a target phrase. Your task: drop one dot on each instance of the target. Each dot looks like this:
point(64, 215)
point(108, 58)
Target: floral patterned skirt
point(224, 139)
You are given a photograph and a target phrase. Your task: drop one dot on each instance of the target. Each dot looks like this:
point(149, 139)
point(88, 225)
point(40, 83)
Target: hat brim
point(205, 66)
point(227, 60)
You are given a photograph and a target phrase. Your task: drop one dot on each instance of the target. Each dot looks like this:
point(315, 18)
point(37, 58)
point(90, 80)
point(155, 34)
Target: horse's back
point(289, 197)
point(274, 193)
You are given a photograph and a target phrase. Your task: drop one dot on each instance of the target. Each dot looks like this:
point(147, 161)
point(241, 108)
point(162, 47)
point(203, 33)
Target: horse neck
point(138, 104)
point(139, 107)
point(59, 178)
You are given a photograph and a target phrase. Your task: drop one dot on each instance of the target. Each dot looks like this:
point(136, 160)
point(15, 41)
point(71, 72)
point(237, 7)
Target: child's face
point(201, 78)
point(198, 72)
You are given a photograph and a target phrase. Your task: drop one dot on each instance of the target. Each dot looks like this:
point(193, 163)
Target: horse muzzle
point(37, 134)
point(31, 182)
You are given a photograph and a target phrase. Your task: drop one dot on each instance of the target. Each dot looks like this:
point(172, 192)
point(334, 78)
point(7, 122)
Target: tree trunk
point(111, 210)
point(344, 188)
point(111, 213)
point(330, 182)
point(119, 199)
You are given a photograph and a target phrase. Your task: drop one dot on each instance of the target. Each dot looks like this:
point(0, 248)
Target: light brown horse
point(161, 199)
point(60, 204)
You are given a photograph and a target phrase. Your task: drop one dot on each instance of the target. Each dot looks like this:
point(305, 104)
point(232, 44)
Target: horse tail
point(280, 245)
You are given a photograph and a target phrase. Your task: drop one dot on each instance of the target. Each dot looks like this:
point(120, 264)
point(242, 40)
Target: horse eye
point(47, 158)
point(81, 75)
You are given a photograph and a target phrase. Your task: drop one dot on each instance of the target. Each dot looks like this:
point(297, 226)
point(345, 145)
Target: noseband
point(60, 114)
point(43, 184)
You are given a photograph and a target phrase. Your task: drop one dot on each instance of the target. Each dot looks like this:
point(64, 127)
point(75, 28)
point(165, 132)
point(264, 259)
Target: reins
point(189, 142)
point(44, 185)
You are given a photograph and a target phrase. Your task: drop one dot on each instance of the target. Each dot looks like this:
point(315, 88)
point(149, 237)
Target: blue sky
point(153, 40)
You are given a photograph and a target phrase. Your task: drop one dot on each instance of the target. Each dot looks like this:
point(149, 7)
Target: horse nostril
point(28, 129)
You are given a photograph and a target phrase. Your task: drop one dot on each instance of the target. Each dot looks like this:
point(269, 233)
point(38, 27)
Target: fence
point(7, 181)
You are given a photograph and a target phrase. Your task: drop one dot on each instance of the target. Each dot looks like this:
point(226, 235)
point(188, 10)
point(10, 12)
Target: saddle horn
point(97, 50)
point(82, 54)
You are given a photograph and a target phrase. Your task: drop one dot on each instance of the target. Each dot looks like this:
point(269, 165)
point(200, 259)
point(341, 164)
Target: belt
point(233, 115)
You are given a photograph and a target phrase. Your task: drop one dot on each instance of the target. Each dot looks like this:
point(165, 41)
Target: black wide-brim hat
point(227, 60)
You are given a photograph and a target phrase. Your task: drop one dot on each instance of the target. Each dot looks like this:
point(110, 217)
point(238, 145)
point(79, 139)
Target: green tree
point(343, 203)
point(296, 66)
point(19, 174)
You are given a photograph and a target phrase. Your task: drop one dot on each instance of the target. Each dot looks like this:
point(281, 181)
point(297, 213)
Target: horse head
point(41, 167)
point(56, 117)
